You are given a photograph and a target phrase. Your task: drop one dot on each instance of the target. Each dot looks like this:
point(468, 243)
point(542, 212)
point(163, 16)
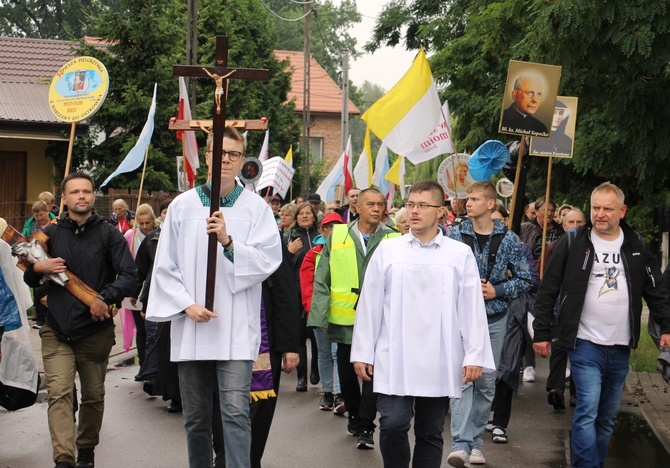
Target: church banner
point(277, 173)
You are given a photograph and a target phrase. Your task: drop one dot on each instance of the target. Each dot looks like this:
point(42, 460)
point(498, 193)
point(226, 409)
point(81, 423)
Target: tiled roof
point(32, 60)
point(25, 102)
point(325, 95)
point(27, 67)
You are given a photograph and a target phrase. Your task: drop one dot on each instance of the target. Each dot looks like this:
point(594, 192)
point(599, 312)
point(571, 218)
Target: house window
point(316, 148)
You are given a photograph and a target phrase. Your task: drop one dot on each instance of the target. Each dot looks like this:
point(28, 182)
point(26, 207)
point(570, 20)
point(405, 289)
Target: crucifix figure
point(221, 74)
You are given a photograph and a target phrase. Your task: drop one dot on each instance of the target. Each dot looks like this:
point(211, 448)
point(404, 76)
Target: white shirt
point(180, 272)
point(605, 314)
point(421, 318)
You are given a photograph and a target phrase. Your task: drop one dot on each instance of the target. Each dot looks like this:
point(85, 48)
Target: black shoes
point(556, 399)
point(314, 377)
point(174, 407)
point(302, 385)
point(85, 458)
point(365, 440)
point(63, 465)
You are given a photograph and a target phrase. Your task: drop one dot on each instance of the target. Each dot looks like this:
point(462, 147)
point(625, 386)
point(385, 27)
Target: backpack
point(493, 249)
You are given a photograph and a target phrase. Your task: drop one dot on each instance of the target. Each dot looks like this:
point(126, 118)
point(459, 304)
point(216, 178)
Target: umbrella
point(487, 160)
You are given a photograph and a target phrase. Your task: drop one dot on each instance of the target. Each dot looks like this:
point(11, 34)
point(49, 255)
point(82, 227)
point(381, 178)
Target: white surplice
point(421, 317)
point(180, 271)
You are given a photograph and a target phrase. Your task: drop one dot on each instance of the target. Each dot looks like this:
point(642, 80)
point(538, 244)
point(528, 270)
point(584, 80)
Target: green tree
point(139, 56)
point(49, 19)
point(614, 57)
point(330, 30)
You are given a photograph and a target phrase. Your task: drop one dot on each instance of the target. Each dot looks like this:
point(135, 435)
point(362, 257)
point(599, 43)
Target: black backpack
point(496, 240)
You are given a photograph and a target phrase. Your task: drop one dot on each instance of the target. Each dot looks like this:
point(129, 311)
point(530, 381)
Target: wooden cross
point(221, 73)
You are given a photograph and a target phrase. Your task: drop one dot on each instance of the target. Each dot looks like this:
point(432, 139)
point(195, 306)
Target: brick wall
point(330, 129)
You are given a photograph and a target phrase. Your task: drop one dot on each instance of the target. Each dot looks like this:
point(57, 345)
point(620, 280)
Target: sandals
point(499, 435)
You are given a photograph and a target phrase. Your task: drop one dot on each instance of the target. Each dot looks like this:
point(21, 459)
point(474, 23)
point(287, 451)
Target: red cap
point(332, 218)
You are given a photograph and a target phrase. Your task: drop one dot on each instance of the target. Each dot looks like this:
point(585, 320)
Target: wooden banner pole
point(68, 162)
point(544, 224)
point(517, 176)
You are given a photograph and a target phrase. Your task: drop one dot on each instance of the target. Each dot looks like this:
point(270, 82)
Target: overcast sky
point(387, 65)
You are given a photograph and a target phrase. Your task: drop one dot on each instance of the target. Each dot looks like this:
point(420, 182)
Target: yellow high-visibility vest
point(344, 282)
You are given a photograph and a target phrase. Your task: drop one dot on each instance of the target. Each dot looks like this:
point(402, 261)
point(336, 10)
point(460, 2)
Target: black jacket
point(282, 308)
point(144, 259)
point(108, 269)
point(568, 274)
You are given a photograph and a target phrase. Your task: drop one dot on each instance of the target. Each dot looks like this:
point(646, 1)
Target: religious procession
point(413, 262)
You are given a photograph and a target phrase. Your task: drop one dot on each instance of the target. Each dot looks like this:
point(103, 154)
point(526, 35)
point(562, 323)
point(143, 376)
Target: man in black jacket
point(76, 337)
point(601, 272)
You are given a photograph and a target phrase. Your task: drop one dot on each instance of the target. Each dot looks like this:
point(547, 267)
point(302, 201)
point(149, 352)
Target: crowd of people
point(375, 290)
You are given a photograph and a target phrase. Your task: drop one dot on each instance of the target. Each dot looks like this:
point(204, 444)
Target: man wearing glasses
point(526, 99)
point(504, 274)
point(215, 349)
point(337, 286)
point(420, 330)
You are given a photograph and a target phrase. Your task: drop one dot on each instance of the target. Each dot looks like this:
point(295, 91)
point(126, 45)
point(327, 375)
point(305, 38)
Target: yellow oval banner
point(78, 89)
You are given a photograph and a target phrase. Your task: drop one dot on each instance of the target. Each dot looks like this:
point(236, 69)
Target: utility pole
point(306, 117)
point(345, 99)
point(192, 47)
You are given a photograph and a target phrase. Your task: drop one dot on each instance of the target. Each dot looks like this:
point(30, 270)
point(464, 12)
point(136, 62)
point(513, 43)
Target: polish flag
point(189, 144)
point(348, 168)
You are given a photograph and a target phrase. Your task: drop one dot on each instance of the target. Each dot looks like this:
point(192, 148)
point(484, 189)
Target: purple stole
point(262, 386)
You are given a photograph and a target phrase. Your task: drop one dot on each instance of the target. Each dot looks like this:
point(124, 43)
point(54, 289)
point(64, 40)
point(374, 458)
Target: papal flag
point(289, 156)
point(407, 114)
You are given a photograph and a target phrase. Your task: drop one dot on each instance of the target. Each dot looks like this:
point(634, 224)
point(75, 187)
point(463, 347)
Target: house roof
point(27, 67)
point(32, 60)
point(325, 95)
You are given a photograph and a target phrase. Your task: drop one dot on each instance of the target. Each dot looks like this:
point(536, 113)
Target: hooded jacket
point(568, 275)
point(510, 257)
point(108, 269)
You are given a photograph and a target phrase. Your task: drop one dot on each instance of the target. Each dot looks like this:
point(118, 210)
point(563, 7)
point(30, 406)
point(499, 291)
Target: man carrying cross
point(215, 348)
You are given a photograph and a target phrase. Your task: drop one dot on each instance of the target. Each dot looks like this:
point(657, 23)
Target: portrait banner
point(561, 142)
point(277, 173)
point(78, 89)
point(529, 99)
point(454, 176)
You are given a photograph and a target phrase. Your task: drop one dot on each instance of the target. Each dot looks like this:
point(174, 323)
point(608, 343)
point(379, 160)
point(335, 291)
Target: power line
point(281, 17)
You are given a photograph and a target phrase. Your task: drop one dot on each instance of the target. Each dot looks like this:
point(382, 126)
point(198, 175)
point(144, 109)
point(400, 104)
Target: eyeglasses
point(232, 155)
point(532, 94)
point(420, 206)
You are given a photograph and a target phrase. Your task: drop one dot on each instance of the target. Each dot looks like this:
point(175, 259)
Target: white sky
point(388, 64)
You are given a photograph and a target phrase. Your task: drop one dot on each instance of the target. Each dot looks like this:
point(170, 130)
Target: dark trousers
point(261, 413)
point(558, 361)
point(140, 335)
point(395, 416)
point(502, 404)
point(361, 403)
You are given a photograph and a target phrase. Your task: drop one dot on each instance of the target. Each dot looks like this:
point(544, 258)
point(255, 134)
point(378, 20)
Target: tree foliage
point(329, 32)
point(615, 59)
point(49, 19)
point(139, 56)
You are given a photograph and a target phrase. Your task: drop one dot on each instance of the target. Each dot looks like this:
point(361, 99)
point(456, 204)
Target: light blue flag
point(135, 156)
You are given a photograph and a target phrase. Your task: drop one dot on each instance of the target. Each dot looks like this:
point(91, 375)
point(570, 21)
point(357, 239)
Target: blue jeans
point(471, 412)
point(395, 417)
point(330, 381)
point(599, 373)
point(198, 380)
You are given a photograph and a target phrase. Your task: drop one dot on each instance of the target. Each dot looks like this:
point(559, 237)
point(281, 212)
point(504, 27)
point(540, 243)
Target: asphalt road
point(139, 432)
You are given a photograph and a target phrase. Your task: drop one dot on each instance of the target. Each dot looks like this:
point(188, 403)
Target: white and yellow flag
point(405, 116)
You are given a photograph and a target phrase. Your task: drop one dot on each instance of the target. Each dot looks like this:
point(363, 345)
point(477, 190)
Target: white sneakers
point(477, 457)
point(529, 374)
point(460, 458)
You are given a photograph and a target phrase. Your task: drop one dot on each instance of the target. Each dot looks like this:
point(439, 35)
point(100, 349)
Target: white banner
point(277, 173)
point(437, 143)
